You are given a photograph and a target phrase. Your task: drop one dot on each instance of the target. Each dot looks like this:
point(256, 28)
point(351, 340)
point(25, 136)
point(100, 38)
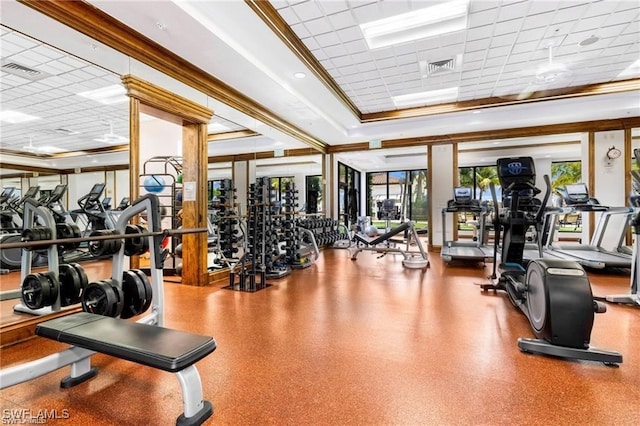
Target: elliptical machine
point(554, 294)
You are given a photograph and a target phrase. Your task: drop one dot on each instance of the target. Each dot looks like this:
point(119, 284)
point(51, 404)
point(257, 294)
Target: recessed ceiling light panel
point(424, 98)
point(14, 117)
point(109, 95)
point(299, 75)
point(418, 24)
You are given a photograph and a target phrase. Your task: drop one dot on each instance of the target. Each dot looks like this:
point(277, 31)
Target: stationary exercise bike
point(554, 294)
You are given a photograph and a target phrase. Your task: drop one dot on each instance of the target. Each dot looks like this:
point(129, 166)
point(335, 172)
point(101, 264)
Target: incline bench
point(169, 350)
point(411, 259)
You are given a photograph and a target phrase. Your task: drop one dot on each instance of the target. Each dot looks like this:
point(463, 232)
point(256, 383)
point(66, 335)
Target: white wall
point(441, 190)
point(80, 184)
point(121, 186)
point(609, 174)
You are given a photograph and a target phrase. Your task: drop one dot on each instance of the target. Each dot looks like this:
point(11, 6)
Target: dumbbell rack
point(325, 230)
point(249, 274)
point(295, 256)
point(226, 220)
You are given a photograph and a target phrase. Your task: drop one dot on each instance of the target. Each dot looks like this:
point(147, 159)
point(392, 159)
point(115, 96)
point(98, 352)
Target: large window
point(313, 194)
point(479, 179)
point(213, 190)
point(408, 188)
point(565, 173)
point(348, 193)
point(277, 185)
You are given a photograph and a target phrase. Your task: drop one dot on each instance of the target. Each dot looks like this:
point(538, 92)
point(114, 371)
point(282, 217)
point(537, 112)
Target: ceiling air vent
point(23, 71)
point(440, 67)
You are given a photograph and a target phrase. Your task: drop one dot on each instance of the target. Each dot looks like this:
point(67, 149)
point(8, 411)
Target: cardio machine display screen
point(516, 167)
point(462, 193)
point(576, 189)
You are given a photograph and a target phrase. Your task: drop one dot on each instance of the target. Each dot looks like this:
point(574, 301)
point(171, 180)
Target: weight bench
point(162, 348)
point(411, 259)
point(382, 238)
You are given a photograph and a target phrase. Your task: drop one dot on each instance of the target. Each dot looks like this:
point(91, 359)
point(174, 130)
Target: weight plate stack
point(70, 285)
point(39, 290)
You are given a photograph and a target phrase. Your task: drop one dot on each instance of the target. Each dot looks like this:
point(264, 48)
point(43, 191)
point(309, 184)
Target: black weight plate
point(70, 285)
point(99, 298)
point(148, 289)
point(84, 280)
point(35, 291)
point(117, 308)
point(134, 294)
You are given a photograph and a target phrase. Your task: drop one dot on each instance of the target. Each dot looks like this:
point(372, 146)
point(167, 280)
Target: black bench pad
point(158, 347)
point(384, 237)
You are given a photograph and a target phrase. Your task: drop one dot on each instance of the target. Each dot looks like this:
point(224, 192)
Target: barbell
point(112, 236)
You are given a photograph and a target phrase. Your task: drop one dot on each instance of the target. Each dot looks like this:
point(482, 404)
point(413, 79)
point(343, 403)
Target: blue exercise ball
point(154, 183)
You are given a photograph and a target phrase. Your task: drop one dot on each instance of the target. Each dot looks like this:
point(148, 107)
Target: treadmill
point(473, 251)
point(576, 198)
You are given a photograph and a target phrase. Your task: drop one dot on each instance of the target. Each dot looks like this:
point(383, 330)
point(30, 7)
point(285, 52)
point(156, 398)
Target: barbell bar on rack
point(46, 243)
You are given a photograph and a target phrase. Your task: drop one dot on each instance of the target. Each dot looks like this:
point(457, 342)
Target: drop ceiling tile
point(342, 61)
point(17, 39)
point(333, 6)
point(337, 50)
point(366, 66)
point(350, 34)
point(406, 69)
point(318, 26)
point(403, 49)
point(503, 40)
point(477, 6)
point(537, 21)
point(356, 46)
point(289, 15)
point(452, 39)
point(367, 13)
point(495, 62)
point(370, 75)
point(407, 59)
point(348, 70)
point(589, 24)
point(471, 65)
point(507, 27)
point(362, 57)
point(512, 11)
point(301, 31)
point(475, 45)
point(623, 18)
point(525, 47)
point(474, 56)
point(538, 7)
point(479, 33)
point(485, 17)
point(389, 72)
point(311, 43)
point(319, 54)
point(342, 20)
point(307, 11)
point(385, 52)
point(530, 35)
point(499, 52)
point(327, 39)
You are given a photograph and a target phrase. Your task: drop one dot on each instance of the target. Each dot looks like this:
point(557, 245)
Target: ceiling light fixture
point(15, 117)
point(423, 98)
point(299, 75)
point(107, 95)
point(552, 71)
point(418, 24)
point(111, 138)
point(589, 41)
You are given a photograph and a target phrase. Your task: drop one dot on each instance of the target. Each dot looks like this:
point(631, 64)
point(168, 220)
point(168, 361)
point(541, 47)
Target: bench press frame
point(412, 259)
point(196, 409)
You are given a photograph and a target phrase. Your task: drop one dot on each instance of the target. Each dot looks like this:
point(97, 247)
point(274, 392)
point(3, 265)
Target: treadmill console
point(576, 193)
point(57, 193)
point(462, 195)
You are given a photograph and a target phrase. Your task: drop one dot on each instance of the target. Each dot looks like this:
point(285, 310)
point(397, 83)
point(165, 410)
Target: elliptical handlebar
point(545, 200)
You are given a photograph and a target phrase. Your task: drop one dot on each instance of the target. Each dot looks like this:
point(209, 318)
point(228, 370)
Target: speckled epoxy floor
point(363, 342)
